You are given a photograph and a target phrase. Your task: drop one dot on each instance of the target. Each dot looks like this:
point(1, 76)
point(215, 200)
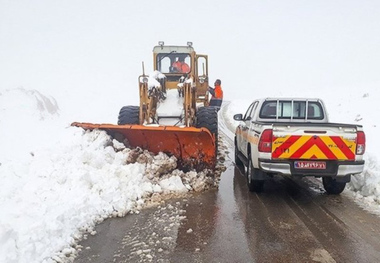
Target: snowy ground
point(58, 181)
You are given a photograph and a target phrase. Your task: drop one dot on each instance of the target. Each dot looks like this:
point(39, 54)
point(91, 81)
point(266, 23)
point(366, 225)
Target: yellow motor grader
point(174, 116)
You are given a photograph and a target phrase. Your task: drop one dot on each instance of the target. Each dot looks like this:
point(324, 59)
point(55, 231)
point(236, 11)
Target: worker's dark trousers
point(216, 103)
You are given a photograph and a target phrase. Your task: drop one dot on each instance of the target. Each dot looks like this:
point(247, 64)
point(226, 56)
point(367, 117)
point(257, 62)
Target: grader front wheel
point(207, 117)
point(129, 115)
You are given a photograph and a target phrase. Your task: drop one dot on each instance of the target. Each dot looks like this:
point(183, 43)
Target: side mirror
point(238, 117)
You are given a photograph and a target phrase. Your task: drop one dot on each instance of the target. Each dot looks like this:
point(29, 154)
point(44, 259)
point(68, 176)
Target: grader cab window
point(163, 63)
point(202, 66)
point(173, 63)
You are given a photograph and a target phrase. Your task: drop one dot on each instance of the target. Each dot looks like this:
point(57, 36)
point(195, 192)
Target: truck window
point(287, 110)
point(254, 108)
point(247, 114)
point(298, 109)
point(269, 110)
point(314, 111)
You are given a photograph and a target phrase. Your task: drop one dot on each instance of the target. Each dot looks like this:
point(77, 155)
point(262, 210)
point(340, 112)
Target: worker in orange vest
point(217, 94)
point(181, 66)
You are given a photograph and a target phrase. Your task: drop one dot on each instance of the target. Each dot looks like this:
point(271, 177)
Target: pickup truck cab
point(293, 137)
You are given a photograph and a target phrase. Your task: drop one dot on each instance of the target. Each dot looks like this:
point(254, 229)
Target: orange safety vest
point(181, 67)
point(177, 65)
point(185, 68)
point(218, 92)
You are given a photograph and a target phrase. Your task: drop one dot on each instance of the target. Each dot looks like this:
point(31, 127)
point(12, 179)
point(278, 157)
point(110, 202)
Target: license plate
point(309, 165)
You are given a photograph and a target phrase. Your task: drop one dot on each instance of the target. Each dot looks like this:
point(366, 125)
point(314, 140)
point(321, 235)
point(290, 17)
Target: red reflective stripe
point(285, 145)
point(314, 141)
point(345, 150)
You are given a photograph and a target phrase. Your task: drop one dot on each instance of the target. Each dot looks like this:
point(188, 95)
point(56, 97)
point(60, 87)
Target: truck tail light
point(360, 143)
point(265, 143)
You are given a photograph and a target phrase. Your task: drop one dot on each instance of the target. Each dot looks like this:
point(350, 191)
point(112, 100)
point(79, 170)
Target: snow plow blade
point(193, 147)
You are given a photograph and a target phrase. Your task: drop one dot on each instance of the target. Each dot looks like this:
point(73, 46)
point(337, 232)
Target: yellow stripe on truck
point(337, 152)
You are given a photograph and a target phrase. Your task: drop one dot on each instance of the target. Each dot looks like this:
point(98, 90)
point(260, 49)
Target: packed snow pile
point(67, 180)
point(359, 107)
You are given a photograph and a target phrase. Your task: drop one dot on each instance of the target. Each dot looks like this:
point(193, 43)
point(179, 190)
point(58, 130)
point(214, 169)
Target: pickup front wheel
point(253, 185)
point(238, 162)
point(332, 186)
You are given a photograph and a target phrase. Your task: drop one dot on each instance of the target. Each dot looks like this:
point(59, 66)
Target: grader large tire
point(129, 115)
point(207, 117)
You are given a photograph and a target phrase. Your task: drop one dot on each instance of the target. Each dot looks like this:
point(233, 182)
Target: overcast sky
point(257, 48)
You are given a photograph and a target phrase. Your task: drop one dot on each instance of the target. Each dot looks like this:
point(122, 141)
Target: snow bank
point(59, 181)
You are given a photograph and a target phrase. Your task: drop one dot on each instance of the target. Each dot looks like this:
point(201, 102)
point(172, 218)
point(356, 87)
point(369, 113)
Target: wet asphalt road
point(293, 220)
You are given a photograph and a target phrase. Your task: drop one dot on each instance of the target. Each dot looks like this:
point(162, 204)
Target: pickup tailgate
point(303, 143)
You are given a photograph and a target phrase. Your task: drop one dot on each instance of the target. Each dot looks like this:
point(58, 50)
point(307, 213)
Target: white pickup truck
point(293, 137)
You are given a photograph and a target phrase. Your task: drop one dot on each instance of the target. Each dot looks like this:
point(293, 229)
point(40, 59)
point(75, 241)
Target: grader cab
point(173, 115)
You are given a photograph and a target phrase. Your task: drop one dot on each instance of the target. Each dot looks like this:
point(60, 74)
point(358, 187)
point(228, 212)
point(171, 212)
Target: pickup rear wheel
point(253, 185)
point(332, 186)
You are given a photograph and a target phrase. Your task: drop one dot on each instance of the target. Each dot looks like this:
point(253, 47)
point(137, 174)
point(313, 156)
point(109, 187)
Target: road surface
point(291, 221)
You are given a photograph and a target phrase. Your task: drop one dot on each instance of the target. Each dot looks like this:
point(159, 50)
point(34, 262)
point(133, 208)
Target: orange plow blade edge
point(195, 148)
